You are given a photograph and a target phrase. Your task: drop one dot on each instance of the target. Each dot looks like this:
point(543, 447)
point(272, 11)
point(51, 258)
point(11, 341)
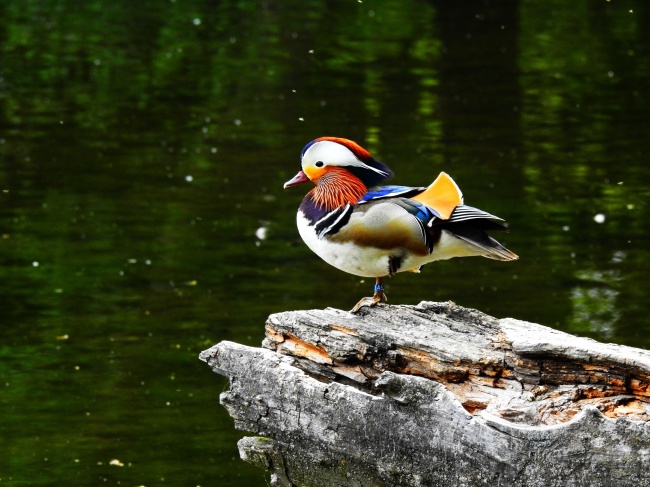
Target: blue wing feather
point(419, 210)
point(400, 195)
point(383, 192)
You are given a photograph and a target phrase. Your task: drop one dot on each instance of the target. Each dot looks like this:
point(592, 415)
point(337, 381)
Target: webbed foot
point(371, 301)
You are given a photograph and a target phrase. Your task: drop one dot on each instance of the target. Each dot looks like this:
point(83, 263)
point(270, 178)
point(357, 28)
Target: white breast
point(360, 261)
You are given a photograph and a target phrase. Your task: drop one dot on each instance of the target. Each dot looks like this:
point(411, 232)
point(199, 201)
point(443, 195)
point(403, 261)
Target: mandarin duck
point(377, 231)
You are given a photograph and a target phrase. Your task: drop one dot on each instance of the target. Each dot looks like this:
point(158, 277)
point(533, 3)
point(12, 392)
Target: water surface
point(143, 147)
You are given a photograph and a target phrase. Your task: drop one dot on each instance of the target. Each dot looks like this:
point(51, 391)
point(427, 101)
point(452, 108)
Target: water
point(143, 147)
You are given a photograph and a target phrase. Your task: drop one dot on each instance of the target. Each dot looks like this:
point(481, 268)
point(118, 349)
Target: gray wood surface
point(436, 395)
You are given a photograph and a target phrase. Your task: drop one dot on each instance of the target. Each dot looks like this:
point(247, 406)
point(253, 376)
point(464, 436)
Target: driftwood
point(436, 395)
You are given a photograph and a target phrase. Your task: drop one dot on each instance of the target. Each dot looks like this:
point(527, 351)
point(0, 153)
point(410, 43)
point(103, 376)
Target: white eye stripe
point(366, 166)
point(336, 155)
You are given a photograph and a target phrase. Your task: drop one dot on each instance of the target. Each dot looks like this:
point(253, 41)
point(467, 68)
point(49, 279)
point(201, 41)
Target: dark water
point(144, 144)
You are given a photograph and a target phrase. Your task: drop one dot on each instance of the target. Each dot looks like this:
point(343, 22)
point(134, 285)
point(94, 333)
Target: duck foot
point(371, 301)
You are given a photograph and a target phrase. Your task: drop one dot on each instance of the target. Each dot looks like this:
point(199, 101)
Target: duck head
point(325, 155)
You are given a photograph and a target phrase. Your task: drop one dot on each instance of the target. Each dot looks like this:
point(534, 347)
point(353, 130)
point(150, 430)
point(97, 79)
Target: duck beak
point(299, 178)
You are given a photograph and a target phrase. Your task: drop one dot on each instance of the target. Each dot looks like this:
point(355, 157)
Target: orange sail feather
point(443, 195)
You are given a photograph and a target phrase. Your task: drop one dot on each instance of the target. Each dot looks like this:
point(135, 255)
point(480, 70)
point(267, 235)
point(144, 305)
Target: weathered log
point(436, 395)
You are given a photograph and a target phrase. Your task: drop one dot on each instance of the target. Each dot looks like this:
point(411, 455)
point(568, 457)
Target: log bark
point(435, 395)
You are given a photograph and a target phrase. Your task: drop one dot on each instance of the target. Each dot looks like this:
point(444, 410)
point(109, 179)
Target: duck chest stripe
point(333, 221)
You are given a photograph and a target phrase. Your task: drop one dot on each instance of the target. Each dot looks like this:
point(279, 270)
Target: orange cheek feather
point(314, 173)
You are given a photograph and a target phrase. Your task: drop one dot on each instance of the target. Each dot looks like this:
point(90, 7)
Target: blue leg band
point(379, 288)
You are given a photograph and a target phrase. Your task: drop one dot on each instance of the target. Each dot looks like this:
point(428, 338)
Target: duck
point(360, 227)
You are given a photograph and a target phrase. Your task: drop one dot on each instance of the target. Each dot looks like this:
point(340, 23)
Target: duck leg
point(378, 297)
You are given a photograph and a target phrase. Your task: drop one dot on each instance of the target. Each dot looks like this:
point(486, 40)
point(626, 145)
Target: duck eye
point(319, 164)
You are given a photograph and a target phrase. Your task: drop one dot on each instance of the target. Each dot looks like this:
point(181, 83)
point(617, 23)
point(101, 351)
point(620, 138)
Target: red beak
point(299, 178)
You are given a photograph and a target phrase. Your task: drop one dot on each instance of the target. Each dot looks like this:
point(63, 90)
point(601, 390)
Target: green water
point(143, 144)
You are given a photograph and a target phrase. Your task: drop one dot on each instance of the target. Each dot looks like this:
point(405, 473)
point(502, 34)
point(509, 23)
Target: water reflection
point(594, 303)
point(143, 149)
